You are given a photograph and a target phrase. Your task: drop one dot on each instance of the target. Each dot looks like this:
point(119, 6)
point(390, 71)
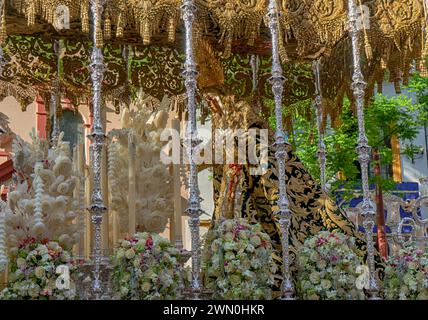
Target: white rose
point(256, 263)
point(53, 246)
point(250, 248)
point(255, 241)
point(137, 262)
point(120, 253)
point(412, 265)
point(228, 225)
point(229, 245)
point(235, 280)
point(146, 287)
point(229, 236)
point(124, 291)
point(39, 272)
point(20, 262)
point(314, 277)
point(331, 294)
point(130, 253)
point(125, 244)
point(229, 256)
point(325, 284)
point(314, 256)
point(322, 264)
point(34, 291)
point(65, 256)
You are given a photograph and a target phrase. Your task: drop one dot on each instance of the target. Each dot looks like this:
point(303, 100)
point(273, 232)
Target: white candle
point(131, 185)
point(178, 209)
point(81, 194)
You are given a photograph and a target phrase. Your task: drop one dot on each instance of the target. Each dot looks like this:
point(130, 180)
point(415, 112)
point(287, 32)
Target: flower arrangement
point(327, 267)
point(406, 275)
point(40, 270)
point(41, 205)
point(141, 129)
point(237, 261)
point(147, 267)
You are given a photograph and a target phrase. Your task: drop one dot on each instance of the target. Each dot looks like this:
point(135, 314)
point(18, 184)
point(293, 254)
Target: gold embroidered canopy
point(227, 33)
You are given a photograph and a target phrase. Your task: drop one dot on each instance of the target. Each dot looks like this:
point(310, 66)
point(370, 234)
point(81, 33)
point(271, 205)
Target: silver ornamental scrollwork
point(363, 149)
point(277, 81)
point(97, 136)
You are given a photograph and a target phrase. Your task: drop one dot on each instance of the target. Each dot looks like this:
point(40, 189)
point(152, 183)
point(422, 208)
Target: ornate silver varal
point(363, 149)
point(321, 153)
point(97, 136)
point(277, 80)
point(188, 14)
point(56, 96)
point(55, 122)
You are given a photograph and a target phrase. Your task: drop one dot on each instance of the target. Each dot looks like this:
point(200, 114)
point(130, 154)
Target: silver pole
point(363, 149)
point(321, 153)
point(97, 136)
point(188, 13)
point(277, 80)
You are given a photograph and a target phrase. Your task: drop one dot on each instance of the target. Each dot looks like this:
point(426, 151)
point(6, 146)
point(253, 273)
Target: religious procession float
point(213, 149)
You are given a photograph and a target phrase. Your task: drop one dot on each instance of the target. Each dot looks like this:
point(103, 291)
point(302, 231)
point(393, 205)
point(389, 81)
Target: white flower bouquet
point(147, 267)
point(406, 275)
point(237, 261)
point(40, 270)
point(327, 268)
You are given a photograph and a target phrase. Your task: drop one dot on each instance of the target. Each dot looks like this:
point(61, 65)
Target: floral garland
point(406, 275)
point(237, 261)
point(327, 267)
point(147, 267)
point(40, 270)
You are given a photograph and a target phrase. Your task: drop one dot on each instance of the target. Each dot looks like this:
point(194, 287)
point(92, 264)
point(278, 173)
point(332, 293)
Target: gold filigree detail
point(238, 19)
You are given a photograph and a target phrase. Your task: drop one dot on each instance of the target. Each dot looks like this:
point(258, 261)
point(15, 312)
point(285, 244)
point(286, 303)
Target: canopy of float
point(143, 47)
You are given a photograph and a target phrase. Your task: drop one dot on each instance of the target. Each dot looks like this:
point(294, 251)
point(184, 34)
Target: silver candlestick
point(277, 80)
point(321, 153)
point(188, 14)
point(363, 149)
point(97, 136)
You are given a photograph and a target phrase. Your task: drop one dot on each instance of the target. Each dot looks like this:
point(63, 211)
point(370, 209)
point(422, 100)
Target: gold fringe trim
point(3, 33)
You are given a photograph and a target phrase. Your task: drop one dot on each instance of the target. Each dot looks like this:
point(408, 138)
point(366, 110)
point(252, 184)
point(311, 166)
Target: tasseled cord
point(367, 47)
point(31, 13)
point(107, 26)
point(98, 31)
point(84, 17)
point(282, 51)
point(3, 33)
point(119, 28)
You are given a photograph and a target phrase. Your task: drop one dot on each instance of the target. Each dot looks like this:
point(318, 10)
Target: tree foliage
point(385, 118)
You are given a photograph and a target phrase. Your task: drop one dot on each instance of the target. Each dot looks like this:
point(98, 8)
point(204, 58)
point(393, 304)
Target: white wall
point(411, 171)
point(20, 122)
